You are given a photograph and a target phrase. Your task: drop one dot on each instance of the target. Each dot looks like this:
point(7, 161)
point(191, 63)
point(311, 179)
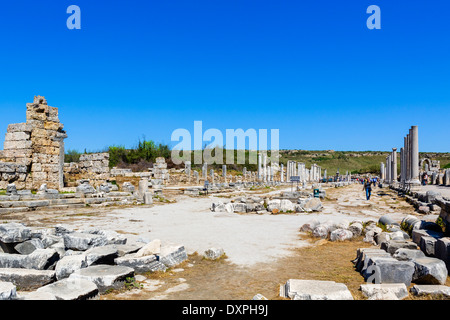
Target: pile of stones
point(395, 263)
point(63, 264)
point(263, 206)
point(335, 231)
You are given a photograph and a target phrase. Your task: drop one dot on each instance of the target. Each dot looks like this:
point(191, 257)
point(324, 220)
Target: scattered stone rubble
point(64, 264)
point(288, 202)
point(398, 261)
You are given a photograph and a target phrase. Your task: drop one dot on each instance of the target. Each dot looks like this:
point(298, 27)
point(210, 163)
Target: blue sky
point(311, 69)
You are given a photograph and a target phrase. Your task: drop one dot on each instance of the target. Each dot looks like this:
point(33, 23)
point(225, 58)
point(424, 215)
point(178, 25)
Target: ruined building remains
point(34, 151)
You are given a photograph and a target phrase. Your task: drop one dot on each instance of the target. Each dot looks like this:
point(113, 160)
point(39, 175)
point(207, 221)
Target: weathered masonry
point(34, 151)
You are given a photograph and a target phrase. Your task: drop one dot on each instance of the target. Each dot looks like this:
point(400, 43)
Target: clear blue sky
point(309, 68)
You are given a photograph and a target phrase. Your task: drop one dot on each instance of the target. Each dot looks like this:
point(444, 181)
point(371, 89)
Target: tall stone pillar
point(265, 167)
point(259, 166)
point(394, 165)
point(212, 175)
point(282, 173)
point(415, 156)
point(388, 169)
point(382, 173)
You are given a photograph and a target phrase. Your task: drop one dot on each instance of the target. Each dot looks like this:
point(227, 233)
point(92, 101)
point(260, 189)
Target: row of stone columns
point(389, 171)
point(410, 158)
point(409, 162)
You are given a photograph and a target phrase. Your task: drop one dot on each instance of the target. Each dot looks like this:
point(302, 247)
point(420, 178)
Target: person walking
point(368, 188)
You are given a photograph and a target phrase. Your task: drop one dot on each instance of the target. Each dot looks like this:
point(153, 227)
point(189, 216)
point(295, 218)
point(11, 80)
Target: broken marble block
point(83, 241)
point(14, 232)
point(384, 291)
point(7, 291)
point(101, 255)
point(27, 279)
point(171, 256)
point(69, 264)
point(213, 253)
point(71, 289)
point(430, 271)
point(104, 276)
point(141, 264)
point(315, 290)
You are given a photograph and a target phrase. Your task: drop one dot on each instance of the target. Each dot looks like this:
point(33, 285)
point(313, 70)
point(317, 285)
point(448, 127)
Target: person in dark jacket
point(368, 188)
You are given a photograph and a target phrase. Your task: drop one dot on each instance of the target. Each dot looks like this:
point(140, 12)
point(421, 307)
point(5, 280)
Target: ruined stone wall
point(12, 173)
point(38, 145)
point(94, 167)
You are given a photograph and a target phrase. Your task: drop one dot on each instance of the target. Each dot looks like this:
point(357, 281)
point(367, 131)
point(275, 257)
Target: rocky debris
point(14, 232)
point(356, 228)
point(71, 289)
point(429, 271)
point(141, 264)
point(7, 291)
point(29, 246)
point(313, 204)
point(128, 187)
point(389, 270)
point(365, 255)
point(391, 246)
point(315, 290)
point(341, 235)
point(213, 253)
point(11, 189)
point(69, 264)
point(404, 254)
point(27, 279)
point(85, 188)
point(259, 297)
point(310, 226)
point(47, 255)
point(433, 290)
point(427, 245)
point(171, 256)
point(41, 259)
point(386, 220)
point(384, 291)
point(37, 296)
point(83, 241)
point(442, 250)
point(104, 276)
point(340, 231)
point(101, 255)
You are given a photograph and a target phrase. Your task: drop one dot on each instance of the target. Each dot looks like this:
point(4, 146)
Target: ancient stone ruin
point(34, 151)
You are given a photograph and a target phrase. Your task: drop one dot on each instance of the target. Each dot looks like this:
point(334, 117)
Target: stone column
point(282, 173)
point(382, 176)
point(205, 171)
point(142, 188)
point(259, 166)
point(415, 156)
point(224, 172)
point(212, 175)
point(394, 165)
point(388, 171)
point(288, 171)
point(265, 167)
